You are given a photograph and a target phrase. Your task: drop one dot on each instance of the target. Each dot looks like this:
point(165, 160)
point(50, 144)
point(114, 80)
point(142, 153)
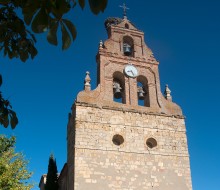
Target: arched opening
point(142, 91)
point(126, 26)
point(128, 46)
point(118, 87)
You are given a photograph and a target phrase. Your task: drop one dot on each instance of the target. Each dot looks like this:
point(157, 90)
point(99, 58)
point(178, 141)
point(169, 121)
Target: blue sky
point(184, 36)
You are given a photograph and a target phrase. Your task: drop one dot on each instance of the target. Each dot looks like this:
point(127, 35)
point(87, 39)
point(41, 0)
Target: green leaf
point(103, 5)
point(71, 28)
point(32, 50)
point(14, 119)
point(61, 8)
point(40, 22)
point(23, 55)
point(18, 26)
point(65, 7)
point(5, 120)
point(28, 17)
point(52, 34)
point(82, 3)
point(98, 5)
point(29, 10)
point(66, 40)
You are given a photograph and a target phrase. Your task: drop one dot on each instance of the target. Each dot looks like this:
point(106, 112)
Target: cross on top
point(124, 9)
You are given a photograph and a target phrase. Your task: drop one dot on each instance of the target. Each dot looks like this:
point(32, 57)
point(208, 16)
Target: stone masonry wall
point(102, 165)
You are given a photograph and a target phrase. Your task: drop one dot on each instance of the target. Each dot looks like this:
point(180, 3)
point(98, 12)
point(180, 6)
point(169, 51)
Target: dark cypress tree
point(52, 175)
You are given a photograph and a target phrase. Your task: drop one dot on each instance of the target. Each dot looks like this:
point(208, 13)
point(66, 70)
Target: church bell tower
point(126, 134)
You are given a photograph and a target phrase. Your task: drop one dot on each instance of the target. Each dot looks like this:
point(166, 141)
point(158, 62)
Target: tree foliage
point(17, 41)
point(7, 115)
point(52, 175)
point(13, 167)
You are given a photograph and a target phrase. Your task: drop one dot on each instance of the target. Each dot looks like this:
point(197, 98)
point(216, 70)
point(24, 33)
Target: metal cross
point(124, 9)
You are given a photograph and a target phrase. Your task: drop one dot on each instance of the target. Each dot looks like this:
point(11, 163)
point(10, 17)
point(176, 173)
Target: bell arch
point(128, 46)
point(143, 91)
point(119, 87)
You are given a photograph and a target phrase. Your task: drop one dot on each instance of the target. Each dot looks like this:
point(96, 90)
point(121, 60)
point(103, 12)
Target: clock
point(131, 71)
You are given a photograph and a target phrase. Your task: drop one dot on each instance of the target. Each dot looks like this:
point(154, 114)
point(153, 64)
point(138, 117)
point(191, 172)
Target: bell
point(117, 90)
point(117, 93)
point(127, 49)
point(141, 93)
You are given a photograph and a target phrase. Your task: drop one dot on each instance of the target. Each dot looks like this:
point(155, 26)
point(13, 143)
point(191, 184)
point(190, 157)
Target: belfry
point(126, 134)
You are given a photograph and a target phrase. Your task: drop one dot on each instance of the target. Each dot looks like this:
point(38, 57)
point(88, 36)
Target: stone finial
point(167, 93)
point(100, 44)
point(87, 85)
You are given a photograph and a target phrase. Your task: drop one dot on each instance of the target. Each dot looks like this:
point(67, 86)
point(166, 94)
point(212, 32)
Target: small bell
point(117, 90)
point(127, 49)
point(141, 93)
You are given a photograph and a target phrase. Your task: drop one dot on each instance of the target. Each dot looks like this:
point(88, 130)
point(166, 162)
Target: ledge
point(131, 110)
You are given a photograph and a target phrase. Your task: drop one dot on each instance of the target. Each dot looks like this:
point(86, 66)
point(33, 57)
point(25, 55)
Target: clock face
point(131, 71)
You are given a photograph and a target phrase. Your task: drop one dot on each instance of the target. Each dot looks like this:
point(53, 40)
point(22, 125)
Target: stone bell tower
point(125, 134)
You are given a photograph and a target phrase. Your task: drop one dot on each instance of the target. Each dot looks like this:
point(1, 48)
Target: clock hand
point(131, 72)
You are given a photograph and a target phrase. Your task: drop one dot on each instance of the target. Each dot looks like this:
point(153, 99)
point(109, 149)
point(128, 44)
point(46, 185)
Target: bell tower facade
point(126, 134)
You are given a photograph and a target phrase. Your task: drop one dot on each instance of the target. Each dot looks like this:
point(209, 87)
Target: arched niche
point(143, 91)
point(128, 46)
point(118, 87)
